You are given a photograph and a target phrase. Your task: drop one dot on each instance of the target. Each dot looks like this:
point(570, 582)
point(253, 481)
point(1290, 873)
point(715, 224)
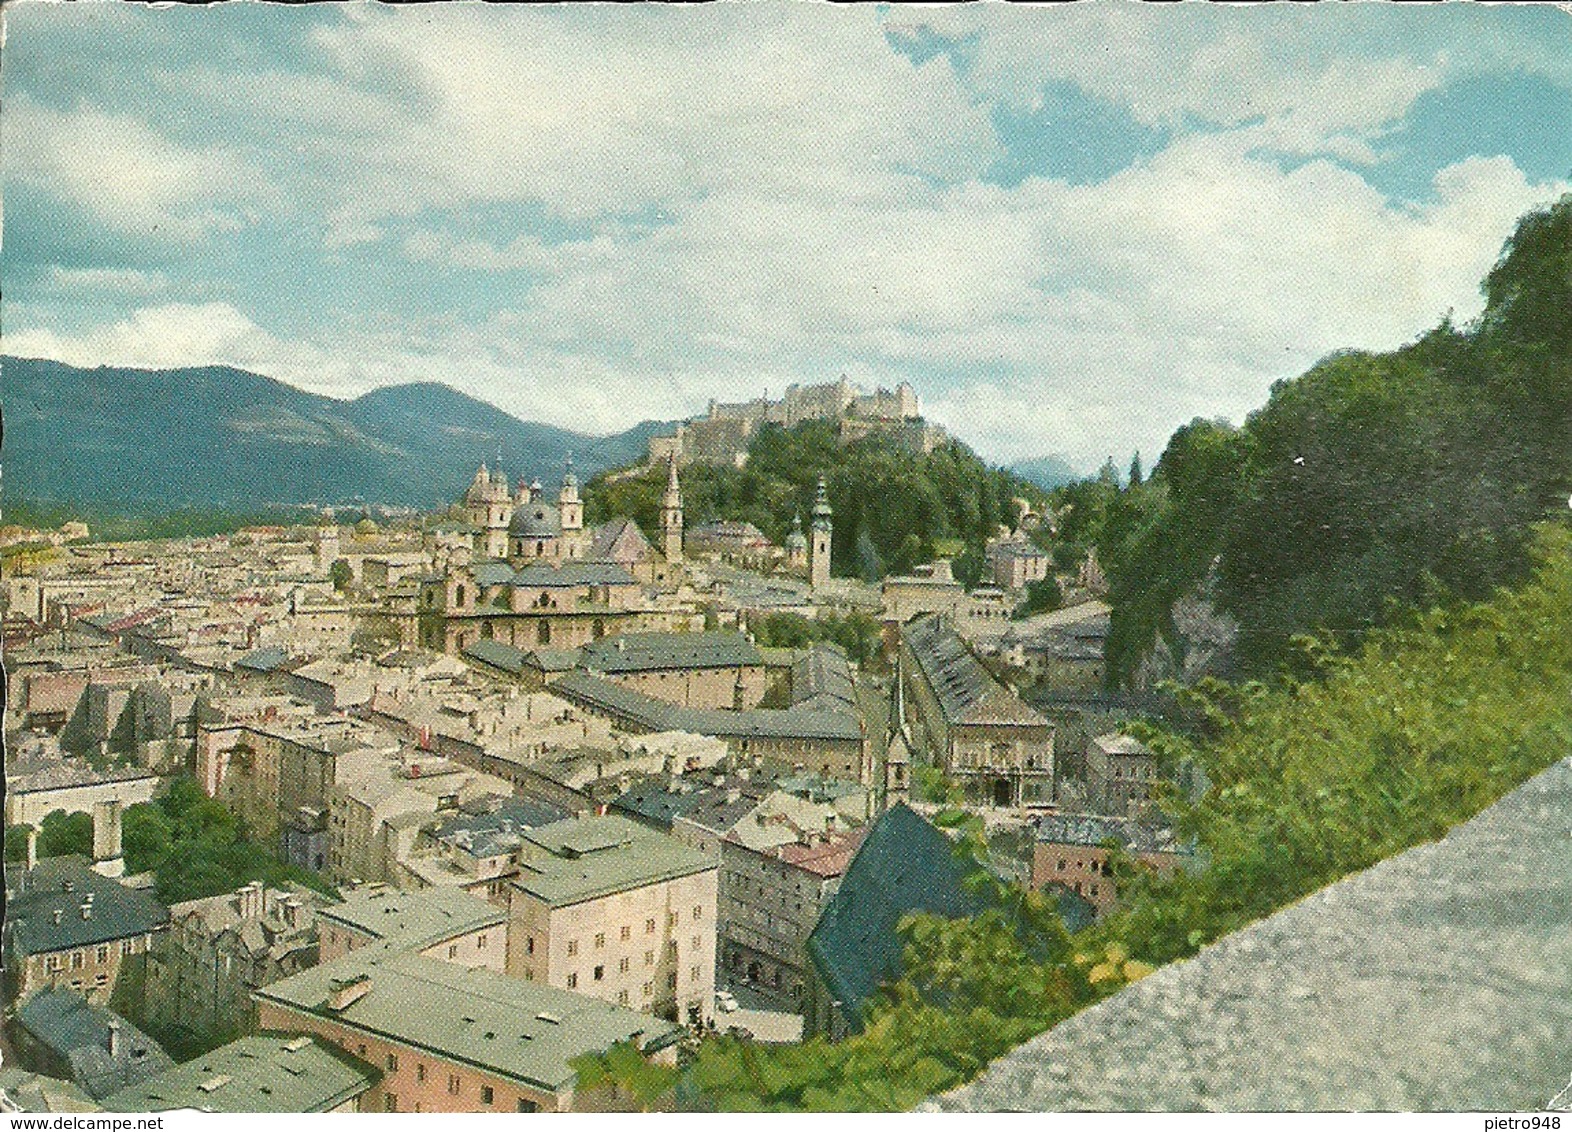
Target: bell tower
point(671, 513)
point(570, 510)
point(819, 546)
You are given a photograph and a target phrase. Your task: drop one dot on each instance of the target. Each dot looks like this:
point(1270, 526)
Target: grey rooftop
point(1437, 980)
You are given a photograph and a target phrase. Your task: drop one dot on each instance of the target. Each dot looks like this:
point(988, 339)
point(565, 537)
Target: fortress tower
point(819, 546)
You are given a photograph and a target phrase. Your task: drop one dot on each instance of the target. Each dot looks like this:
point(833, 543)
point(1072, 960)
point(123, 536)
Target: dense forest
point(1374, 484)
point(893, 509)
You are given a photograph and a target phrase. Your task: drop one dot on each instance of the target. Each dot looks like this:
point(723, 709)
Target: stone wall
point(1438, 980)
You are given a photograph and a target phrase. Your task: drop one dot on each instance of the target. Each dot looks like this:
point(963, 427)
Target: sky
point(1071, 228)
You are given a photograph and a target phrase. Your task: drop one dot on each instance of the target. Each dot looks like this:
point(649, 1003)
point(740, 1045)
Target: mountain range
point(215, 436)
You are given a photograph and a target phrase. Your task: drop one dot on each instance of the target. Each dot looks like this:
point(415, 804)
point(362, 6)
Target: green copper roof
point(414, 919)
point(515, 1028)
point(904, 865)
point(260, 1073)
point(580, 859)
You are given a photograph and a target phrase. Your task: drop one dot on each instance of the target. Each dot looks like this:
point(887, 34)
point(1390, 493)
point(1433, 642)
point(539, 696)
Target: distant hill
point(1047, 472)
point(216, 436)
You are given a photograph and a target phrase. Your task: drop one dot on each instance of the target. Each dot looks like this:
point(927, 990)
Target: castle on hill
point(722, 435)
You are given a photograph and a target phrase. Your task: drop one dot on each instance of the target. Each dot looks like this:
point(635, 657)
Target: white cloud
point(771, 194)
point(130, 179)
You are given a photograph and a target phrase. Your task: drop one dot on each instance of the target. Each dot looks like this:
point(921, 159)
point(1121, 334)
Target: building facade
point(969, 724)
point(607, 908)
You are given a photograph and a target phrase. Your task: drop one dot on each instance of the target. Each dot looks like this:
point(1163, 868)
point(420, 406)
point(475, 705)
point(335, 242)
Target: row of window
point(626, 932)
point(488, 1094)
point(78, 958)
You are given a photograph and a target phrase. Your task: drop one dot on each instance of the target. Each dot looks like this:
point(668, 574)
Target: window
point(622, 966)
point(649, 989)
point(649, 959)
point(527, 1105)
point(529, 945)
point(671, 919)
point(573, 980)
point(698, 911)
point(627, 932)
point(671, 947)
point(389, 1102)
point(480, 942)
point(420, 1071)
point(453, 1084)
point(694, 974)
point(103, 955)
point(392, 1062)
point(452, 951)
point(487, 1094)
point(127, 947)
point(600, 972)
point(649, 926)
point(76, 961)
point(622, 998)
point(671, 980)
point(600, 939)
point(696, 943)
point(573, 947)
point(52, 963)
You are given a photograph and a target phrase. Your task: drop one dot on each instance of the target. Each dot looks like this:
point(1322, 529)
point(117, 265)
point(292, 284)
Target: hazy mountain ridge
point(214, 435)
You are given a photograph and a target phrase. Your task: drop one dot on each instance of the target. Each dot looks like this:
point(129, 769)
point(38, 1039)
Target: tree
point(1135, 470)
point(1041, 597)
point(62, 833)
point(342, 574)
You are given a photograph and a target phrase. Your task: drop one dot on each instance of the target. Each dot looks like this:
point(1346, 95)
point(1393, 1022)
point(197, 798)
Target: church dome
point(535, 520)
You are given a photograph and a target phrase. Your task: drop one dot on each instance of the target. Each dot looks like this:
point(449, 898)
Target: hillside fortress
point(722, 435)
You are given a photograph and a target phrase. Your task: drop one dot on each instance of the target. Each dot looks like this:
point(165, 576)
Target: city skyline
point(1071, 230)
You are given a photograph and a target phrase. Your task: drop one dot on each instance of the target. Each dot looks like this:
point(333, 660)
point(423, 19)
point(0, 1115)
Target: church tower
point(797, 546)
point(570, 512)
point(819, 547)
point(671, 513)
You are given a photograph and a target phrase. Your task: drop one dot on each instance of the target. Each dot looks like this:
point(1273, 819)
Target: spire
point(821, 507)
point(671, 473)
point(568, 478)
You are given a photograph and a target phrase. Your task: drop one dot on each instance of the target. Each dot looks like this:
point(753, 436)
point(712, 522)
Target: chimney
point(58, 915)
point(292, 908)
point(344, 992)
point(114, 1037)
point(87, 909)
point(107, 858)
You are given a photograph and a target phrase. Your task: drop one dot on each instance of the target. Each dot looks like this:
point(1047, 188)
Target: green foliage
point(1373, 485)
point(342, 574)
point(61, 833)
point(125, 524)
point(1426, 725)
point(196, 847)
point(1041, 597)
point(860, 634)
point(893, 509)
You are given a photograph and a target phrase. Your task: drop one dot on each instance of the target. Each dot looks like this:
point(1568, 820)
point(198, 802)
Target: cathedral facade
point(525, 570)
